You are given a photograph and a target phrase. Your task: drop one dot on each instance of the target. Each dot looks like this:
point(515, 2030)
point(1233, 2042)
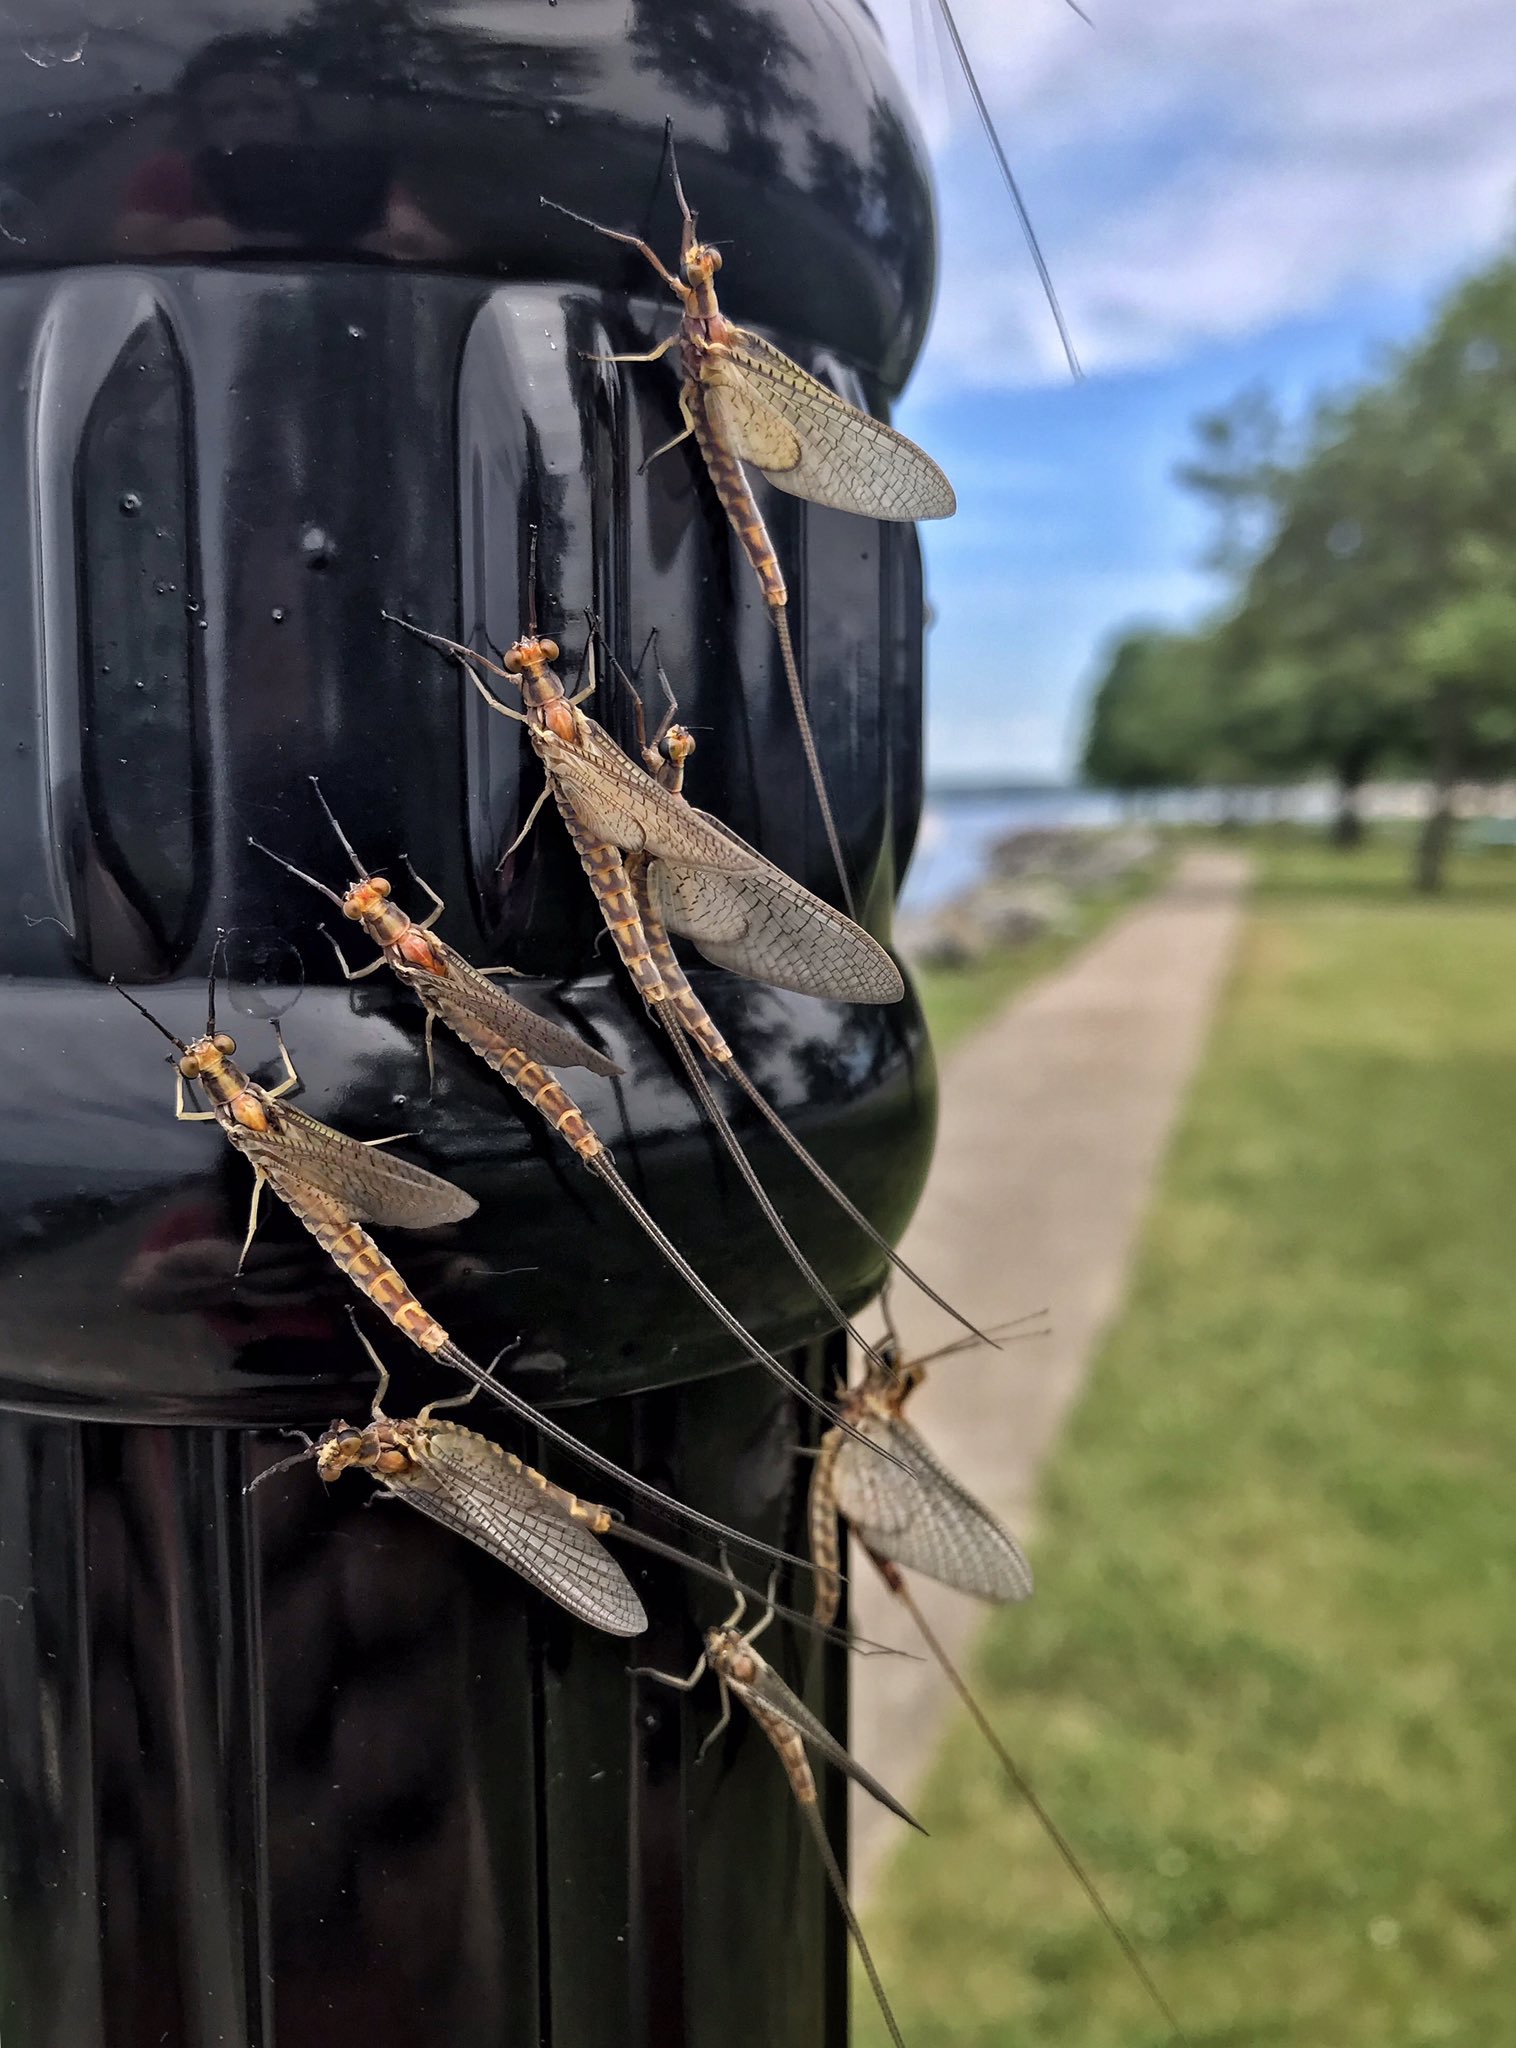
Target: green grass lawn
point(955, 999)
point(1268, 1682)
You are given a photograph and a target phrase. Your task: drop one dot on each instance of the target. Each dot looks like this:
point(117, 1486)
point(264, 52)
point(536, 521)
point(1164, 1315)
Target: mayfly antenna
point(290, 868)
point(149, 1016)
point(684, 205)
point(210, 983)
point(347, 846)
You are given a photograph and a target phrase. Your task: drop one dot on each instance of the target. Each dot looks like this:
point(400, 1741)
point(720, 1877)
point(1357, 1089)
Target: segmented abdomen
point(686, 1005)
point(791, 1752)
point(351, 1249)
point(618, 903)
point(826, 1549)
point(737, 500)
point(529, 1079)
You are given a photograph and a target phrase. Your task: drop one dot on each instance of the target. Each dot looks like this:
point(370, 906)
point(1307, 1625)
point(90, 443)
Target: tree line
point(1370, 556)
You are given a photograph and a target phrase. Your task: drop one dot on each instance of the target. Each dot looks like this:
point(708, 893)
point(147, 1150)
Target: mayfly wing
point(465, 988)
point(885, 1512)
point(809, 442)
point(916, 1514)
point(619, 802)
point(372, 1186)
point(767, 1692)
point(765, 925)
point(467, 1483)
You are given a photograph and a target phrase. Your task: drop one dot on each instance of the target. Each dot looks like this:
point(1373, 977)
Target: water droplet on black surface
point(264, 971)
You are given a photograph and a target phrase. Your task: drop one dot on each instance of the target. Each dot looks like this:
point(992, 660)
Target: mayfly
point(794, 1731)
point(333, 1185)
point(481, 1492)
point(512, 1040)
point(746, 402)
point(743, 912)
point(913, 1513)
point(484, 1493)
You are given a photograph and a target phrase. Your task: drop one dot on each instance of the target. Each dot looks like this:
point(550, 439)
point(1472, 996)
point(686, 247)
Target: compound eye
point(510, 661)
point(713, 257)
point(549, 649)
point(380, 886)
point(224, 1043)
point(189, 1066)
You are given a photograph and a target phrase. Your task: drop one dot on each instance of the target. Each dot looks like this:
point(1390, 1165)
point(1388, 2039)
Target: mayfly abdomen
point(550, 1101)
point(607, 874)
point(729, 480)
point(791, 1753)
point(531, 1080)
point(686, 1005)
point(351, 1249)
point(826, 1545)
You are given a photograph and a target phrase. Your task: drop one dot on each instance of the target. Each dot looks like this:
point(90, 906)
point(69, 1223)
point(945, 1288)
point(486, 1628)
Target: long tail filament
point(895, 1580)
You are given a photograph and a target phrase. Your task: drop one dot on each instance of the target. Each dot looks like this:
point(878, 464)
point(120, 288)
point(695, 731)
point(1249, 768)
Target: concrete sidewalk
point(1055, 1118)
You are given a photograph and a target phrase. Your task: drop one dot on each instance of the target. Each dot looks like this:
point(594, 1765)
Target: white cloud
point(1201, 170)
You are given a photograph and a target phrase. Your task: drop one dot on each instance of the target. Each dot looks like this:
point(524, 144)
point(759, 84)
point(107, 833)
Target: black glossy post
point(287, 341)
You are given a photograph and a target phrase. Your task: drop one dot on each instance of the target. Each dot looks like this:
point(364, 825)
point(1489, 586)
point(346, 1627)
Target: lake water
point(958, 831)
point(959, 827)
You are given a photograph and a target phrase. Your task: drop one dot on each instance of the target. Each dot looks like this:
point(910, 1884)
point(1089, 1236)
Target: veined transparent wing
point(920, 1517)
point(620, 802)
point(768, 1693)
point(763, 924)
point(808, 441)
point(488, 1004)
point(467, 1483)
point(372, 1186)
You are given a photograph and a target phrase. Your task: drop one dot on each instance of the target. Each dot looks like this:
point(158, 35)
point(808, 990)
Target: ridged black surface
point(290, 1771)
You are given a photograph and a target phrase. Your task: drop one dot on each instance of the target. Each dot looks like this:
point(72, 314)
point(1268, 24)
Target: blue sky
point(1226, 193)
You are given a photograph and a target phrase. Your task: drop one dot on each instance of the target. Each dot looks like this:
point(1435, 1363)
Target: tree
point(1150, 722)
point(1466, 652)
point(1370, 557)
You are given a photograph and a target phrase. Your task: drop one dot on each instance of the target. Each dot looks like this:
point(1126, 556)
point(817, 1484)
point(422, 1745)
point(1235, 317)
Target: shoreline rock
point(1033, 884)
